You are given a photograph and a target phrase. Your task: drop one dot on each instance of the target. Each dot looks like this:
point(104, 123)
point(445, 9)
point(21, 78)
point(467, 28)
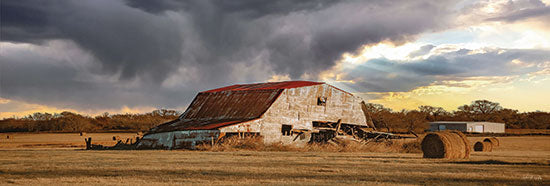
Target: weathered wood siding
point(298, 107)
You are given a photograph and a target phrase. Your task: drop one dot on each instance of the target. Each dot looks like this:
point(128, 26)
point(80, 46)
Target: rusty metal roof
point(266, 86)
point(229, 105)
point(178, 124)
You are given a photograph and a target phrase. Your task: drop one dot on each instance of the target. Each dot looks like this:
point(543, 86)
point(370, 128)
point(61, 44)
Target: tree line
point(479, 110)
point(73, 122)
point(382, 118)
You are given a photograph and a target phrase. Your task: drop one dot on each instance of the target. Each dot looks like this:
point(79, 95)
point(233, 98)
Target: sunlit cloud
point(514, 94)
point(276, 78)
point(18, 109)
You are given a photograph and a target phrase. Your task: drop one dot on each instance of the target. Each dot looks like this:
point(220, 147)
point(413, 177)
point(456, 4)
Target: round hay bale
point(446, 144)
point(483, 146)
point(466, 142)
point(493, 140)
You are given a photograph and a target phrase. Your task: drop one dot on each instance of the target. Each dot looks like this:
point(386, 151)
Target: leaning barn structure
point(291, 112)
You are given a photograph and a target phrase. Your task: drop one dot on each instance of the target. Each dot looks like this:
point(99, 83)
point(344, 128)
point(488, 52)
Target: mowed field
point(58, 158)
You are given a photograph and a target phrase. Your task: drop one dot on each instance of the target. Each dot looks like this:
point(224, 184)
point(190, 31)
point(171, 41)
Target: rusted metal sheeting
point(178, 139)
point(218, 109)
point(230, 105)
point(194, 125)
point(266, 86)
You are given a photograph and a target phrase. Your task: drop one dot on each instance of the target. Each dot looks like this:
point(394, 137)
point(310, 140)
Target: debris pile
point(342, 134)
point(120, 145)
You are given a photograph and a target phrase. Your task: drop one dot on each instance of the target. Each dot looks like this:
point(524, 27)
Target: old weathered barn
point(468, 126)
point(291, 112)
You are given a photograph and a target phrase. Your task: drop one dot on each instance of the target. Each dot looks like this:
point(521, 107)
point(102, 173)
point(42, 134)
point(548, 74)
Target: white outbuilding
point(468, 126)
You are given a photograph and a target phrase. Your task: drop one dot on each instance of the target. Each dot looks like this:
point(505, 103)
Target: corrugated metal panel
point(177, 125)
point(230, 105)
point(212, 110)
point(178, 139)
point(266, 86)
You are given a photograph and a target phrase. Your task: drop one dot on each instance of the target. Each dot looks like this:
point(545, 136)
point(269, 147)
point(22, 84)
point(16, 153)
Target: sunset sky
point(134, 56)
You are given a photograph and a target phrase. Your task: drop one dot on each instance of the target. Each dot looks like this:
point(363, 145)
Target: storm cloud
point(512, 11)
point(158, 53)
point(538, 12)
point(384, 75)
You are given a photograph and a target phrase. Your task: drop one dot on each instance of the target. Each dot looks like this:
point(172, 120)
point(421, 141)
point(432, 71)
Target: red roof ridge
point(265, 86)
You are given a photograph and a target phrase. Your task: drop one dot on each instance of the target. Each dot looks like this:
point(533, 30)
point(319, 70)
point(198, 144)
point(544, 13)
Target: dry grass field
point(518, 161)
point(58, 140)
point(528, 131)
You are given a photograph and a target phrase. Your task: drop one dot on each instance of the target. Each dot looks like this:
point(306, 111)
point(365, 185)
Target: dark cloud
point(249, 8)
point(155, 52)
point(524, 14)
point(36, 78)
point(124, 40)
point(383, 75)
point(520, 10)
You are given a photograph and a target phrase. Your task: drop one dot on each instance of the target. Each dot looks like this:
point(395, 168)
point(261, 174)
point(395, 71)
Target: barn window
point(286, 130)
point(322, 101)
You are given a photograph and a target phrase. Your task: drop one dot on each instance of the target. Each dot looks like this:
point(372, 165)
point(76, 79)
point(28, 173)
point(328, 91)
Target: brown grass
point(59, 140)
point(527, 131)
point(235, 143)
point(518, 161)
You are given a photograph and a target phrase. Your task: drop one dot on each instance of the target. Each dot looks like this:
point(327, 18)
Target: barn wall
point(298, 107)
point(178, 139)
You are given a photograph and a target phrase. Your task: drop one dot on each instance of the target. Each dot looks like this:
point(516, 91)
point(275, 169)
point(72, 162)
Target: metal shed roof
point(229, 105)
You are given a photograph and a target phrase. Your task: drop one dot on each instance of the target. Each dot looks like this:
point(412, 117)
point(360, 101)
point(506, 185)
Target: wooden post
point(338, 125)
point(414, 133)
point(88, 143)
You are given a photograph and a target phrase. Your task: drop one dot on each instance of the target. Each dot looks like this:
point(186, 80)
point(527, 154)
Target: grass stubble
point(513, 163)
